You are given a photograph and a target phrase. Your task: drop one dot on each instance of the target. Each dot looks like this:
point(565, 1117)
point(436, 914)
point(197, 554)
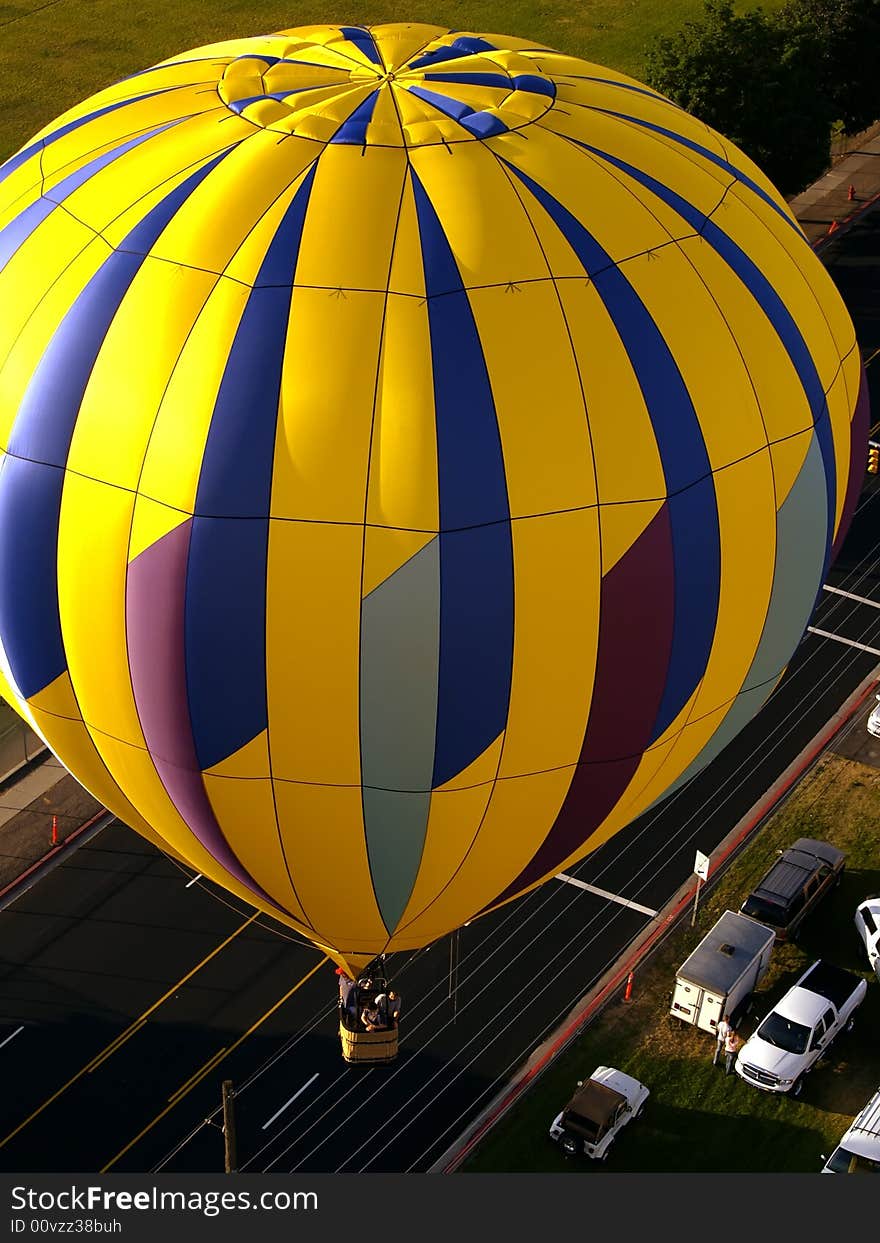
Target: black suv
point(794, 884)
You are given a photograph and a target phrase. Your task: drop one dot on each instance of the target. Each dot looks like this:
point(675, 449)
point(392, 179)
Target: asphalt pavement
point(130, 992)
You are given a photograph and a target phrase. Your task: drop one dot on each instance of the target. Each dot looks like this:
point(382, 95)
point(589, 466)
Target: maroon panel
point(154, 609)
point(861, 421)
point(635, 640)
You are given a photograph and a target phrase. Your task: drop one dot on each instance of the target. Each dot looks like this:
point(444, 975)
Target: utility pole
point(229, 1126)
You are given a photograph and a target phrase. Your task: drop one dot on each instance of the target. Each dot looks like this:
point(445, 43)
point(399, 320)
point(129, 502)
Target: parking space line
point(849, 595)
point(603, 893)
point(129, 1031)
point(12, 1037)
point(198, 1075)
point(280, 1111)
point(117, 1043)
point(195, 1079)
point(838, 638)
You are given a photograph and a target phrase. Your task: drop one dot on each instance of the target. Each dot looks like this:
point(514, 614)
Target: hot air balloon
point(421, 450)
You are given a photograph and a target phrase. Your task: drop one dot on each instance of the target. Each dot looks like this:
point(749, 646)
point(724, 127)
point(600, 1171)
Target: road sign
point(701, 865)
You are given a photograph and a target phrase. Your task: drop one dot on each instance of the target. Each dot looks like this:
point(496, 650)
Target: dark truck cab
point(794, 885)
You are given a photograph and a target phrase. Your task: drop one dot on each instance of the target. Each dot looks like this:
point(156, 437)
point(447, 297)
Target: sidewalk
point(824, 207)
point(27, 808)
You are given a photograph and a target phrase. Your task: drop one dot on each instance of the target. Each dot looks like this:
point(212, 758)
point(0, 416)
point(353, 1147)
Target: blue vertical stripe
point(437, 57)
point(363, 40)
point(476, 558)
point(696, 546)
point(473, 488)
point(239, 105)
point(42, 433)
point(197, 60)
point(624, 86)
point(713, 159)
point(226, 577)
point(20, 229)
point(499, 81)
point(46, 417)
point(354, 129)
point(30, 500)
point(236, 473)
point(471, 45)
point(476, 645)
point(693, 510)
point(25, 154)
point(535, 85)
point(462, 46)
point(482, 124)
point(773, 307)
point(446, 104)
point(225, 634)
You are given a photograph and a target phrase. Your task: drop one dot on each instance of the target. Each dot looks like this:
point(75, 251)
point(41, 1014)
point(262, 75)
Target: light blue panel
point(400, 659)
point(801, 528)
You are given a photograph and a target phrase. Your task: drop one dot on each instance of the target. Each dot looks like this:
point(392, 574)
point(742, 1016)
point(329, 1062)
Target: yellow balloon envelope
point(420, 451)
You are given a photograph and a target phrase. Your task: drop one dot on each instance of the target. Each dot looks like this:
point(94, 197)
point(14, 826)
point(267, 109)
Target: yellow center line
point(215, 1061)
point(198, 1074)
point(133, 1027)
point(111, 1048)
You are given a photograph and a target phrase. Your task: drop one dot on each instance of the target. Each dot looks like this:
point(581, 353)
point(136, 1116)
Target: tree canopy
point(848, 45)
point(775, 84)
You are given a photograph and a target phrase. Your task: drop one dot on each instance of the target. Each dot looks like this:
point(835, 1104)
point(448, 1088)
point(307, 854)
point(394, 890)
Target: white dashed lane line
point(838, 638)
point(849, 595)
point(280, 1111)
point(603, 893)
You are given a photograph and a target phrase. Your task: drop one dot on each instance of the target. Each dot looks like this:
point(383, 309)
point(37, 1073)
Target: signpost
point(701, 871)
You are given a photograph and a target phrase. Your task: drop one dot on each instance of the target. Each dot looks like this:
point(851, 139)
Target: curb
point(53, 857)
point(24, 769)
point(590, 1005)
point(838, 227)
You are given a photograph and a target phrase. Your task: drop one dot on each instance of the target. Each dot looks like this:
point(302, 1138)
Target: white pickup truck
point(800, 1027)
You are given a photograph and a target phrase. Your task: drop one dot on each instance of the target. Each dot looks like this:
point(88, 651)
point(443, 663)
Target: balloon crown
point(364, 87)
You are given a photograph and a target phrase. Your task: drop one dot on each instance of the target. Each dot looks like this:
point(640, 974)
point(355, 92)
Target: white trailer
point(725, 967)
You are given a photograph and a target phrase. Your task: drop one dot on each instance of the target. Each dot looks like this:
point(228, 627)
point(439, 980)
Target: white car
point(859, 1149)
point(868, 928)
point(874, 720)
point(597, 1112)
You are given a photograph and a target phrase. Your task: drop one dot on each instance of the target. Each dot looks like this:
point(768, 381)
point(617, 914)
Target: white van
point(720, 974)
point(868, 928)
point(859, 1149)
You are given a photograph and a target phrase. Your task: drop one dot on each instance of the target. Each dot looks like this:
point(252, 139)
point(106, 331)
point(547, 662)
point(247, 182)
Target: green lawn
point(52, 55)
point(697, 1119)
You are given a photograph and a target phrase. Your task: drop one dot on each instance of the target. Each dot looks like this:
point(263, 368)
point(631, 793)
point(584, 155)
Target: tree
point(848, 35)
point(757, 82)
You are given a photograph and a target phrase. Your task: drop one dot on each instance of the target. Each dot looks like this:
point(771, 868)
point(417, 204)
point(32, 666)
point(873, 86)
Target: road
point(130, 993)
